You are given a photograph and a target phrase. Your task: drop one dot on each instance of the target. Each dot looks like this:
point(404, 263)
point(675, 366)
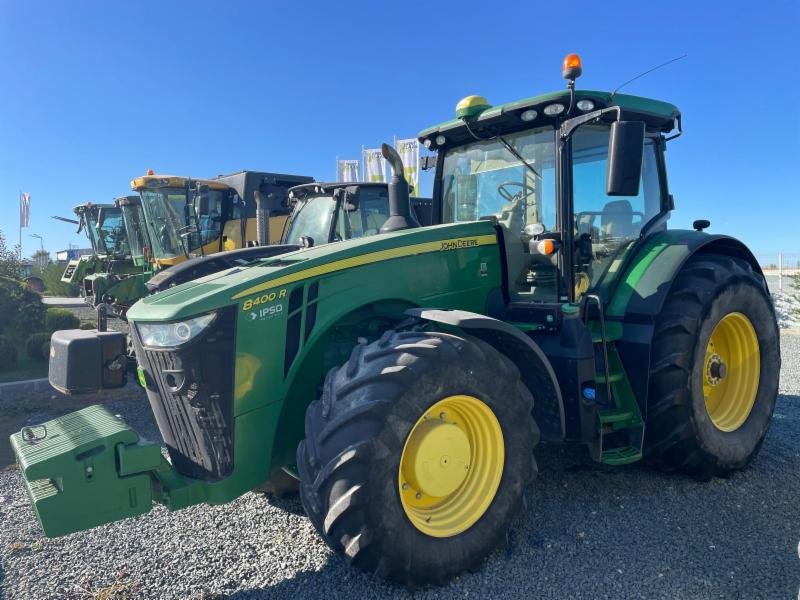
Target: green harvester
point(405, 378)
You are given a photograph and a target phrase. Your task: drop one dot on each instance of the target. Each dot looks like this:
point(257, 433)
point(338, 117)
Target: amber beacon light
point(572, 68)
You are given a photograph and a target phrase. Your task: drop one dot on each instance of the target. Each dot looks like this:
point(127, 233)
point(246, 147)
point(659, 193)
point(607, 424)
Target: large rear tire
point(417, 455)
point(714, 369)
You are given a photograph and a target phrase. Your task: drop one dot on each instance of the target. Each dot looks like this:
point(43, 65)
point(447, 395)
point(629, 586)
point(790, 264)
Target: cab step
point(619, 432)
point(624, 455)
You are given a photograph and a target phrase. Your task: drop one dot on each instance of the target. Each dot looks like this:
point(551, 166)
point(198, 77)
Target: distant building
point(71, 254)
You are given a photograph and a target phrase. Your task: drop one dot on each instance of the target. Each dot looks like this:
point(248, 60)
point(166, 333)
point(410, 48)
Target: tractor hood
point(240, 283)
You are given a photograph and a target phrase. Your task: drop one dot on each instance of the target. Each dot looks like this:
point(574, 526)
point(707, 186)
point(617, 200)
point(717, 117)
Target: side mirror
point(625, 153)
point(350, 198)
point(306, 241)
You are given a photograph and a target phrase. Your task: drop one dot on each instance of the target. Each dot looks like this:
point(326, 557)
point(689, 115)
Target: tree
point(9, 259)
point(51, 275)
point(41, 258)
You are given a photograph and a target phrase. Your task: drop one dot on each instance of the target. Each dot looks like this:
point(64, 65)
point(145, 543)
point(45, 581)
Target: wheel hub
point(716, 369)
point(438, 459)
point(451, 466)
point(731, 372)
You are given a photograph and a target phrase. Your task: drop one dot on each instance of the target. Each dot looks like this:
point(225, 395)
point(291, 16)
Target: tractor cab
point(109, 238)
point(105, 229)
point(542, 169)
point(333, 212)
point(183, 216)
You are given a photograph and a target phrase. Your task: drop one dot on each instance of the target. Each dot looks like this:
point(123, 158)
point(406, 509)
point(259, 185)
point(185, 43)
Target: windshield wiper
point(511, 149)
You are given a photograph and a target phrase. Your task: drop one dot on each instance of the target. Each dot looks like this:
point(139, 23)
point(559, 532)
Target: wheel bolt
point(441, 416)
point(405, 486)
point(418, 496)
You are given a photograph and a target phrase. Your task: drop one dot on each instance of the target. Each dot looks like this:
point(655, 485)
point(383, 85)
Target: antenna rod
point(646, 72)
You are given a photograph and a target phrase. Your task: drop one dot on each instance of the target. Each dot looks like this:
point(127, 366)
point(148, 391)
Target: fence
point(779, 267)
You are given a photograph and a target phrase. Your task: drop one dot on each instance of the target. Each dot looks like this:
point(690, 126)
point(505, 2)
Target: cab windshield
point(165, 209)
point(485, 178)
point(106, 230)
point(312, 219)
point(319, 217)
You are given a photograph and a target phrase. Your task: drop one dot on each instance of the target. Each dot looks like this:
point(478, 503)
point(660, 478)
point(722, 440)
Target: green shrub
point(8, 354)
point(61, 318)
point(35, 346)
point(88, 325)
point(21, 309)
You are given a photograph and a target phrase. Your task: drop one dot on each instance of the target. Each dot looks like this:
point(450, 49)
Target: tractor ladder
point(618, 419)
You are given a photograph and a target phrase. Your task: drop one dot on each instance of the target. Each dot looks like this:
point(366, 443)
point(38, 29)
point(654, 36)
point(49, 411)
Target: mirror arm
point(570, 125)
point(679, 127)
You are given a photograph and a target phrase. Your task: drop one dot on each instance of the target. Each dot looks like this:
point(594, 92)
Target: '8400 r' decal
point(267, 298)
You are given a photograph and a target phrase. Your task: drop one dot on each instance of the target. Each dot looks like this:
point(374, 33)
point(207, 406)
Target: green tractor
point(406, 378)
point(110, 260)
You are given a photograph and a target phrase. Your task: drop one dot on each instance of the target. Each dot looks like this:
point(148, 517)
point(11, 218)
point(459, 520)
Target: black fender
point(643, 287)
point(535, 369)
point(199, 266)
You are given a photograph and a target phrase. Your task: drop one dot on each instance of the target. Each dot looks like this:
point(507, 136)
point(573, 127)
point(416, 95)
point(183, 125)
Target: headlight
point(169, 335)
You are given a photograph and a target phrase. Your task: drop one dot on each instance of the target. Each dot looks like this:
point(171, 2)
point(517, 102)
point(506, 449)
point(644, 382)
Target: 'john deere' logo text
point(456, 244)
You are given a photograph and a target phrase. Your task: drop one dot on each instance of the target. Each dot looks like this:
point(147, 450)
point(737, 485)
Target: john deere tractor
point(406, 378)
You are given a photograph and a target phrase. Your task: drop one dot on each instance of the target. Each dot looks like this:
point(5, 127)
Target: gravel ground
point(787, 301)
point(589, 532)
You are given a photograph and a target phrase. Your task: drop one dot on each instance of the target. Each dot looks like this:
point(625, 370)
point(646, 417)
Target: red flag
point(24, 208)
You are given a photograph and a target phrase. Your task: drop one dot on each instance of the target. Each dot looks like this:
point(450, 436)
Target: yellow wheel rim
point(731, 371)
point(451, 466)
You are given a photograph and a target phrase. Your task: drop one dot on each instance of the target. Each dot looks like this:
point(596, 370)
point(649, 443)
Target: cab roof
point(162, 181)
point(658, 115)
point(89, 206)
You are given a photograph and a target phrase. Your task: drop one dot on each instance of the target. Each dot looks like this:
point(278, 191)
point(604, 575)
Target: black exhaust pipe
point(400, 216)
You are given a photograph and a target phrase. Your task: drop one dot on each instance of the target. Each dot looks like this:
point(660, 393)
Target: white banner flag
point(347, 170)
point(409, 152)
point(374, 166)
point(24, 209)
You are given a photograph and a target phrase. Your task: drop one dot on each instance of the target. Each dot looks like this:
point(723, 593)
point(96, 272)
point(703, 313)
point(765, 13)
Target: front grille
point(191, 393)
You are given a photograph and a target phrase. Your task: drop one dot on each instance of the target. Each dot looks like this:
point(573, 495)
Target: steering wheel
point(507, 195)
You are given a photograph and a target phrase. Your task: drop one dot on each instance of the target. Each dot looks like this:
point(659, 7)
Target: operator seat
point(616, 220)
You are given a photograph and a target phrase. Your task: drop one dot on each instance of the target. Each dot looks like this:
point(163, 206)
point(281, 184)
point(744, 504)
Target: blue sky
point(95, 93)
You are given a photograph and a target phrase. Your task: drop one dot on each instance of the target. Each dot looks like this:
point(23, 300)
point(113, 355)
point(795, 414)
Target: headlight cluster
point(169, 335)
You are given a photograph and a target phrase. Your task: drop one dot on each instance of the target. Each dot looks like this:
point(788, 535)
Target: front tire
point(714, 369)
point(417, 455)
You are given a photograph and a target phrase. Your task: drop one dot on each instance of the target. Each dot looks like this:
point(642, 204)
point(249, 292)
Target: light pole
point(41, 260)
point(41, 240)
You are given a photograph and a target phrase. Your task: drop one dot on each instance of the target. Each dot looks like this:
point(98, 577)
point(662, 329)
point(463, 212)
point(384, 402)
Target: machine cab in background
point(193, 217)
